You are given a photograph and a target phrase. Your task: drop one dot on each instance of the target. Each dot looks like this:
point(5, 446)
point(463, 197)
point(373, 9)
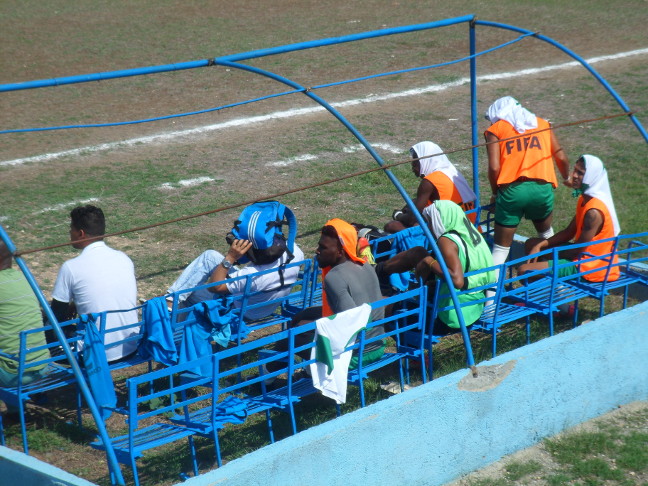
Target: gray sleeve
point(338, 293)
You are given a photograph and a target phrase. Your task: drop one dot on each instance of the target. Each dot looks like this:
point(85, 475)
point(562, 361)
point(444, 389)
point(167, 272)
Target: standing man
point(19, 311)
point(97, 280)
point(521, 171)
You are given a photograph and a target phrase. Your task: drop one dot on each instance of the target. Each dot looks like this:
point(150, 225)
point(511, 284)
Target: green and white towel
point(332, 336)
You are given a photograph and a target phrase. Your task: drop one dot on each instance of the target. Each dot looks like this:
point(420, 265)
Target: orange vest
point(528, 156)
point(599, 249)
point(449, 192)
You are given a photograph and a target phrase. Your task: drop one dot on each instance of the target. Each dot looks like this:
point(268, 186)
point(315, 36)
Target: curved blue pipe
point(390, 175)
point(583, 62)
point(103, 433)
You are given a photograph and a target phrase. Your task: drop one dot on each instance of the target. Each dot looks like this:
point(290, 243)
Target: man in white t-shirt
point(211, 266)
point(97, 280)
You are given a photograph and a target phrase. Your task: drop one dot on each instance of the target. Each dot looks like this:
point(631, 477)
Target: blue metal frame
point(582, 61)
point(83, 386)
point(232, 61)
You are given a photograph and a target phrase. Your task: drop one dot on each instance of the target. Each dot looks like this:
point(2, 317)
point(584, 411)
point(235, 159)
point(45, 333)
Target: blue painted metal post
point(446, 275)
point(110, 453)
point(473, 112)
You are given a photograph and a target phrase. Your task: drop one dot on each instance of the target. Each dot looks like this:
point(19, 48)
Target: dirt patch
point(624, 418)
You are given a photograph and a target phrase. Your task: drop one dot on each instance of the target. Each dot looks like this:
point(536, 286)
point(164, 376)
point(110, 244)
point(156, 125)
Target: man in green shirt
point(463, 249)
point(19, 311)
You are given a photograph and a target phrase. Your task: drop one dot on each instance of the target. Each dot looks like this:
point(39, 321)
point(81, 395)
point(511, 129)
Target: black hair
point(331, 232)
point(90, 219)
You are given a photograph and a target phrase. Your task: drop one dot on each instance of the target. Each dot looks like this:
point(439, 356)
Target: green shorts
point(368, 357)
point(564, 271)
point(530, 199)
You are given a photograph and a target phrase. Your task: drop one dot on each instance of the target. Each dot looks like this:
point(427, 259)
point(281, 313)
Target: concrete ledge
point(435, 433)
point(19, 469)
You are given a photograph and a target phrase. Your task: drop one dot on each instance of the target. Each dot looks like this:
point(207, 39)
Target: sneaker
point(565, 310)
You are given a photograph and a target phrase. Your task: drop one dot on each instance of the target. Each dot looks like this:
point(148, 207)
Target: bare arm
point(426, 192)
point(235, 252)
point(450, 254)
point(592, 224)
point(494, 167)
point(558, 239)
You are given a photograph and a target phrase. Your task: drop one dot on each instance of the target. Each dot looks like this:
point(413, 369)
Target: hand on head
point(238, 248)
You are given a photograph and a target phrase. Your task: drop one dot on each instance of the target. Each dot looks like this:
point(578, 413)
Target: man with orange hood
point(347, 281)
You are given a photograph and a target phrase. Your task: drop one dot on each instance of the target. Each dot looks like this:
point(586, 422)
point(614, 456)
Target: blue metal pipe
point(84, 78)
point(390, 175)
point(110, 453)
point(347, 38)
point(583, 62)
point(473, 110)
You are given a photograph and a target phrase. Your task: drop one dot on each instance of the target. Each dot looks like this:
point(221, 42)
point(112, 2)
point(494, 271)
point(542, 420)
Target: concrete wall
point(20, 470)
point(434, 433)
point(456, 424)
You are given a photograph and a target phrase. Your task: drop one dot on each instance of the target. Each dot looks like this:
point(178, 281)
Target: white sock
point(500, 254)
point(546, 234)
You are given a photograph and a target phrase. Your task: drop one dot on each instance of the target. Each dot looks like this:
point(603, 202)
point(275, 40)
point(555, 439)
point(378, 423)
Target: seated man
point(19, 311)
point(97, 280)
point(211, 266)
point(463, 250)
point(595, 220)
point(439, 180)
point(347, 283)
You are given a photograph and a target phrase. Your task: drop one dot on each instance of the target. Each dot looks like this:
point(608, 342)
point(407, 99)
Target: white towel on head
point(510, 110)
point(432, 159)
point(432, 217)
point(598, 186)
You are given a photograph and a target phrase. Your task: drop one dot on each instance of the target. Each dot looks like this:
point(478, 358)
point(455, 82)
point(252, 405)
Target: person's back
point(440, 179)
point(99, 279)
point(349, 285)
point(19, 311)
point(529, 157)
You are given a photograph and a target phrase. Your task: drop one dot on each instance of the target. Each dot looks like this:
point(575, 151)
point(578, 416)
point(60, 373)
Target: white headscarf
point(510, 110)
point(432, 159)
point(598, 186)
point(432, 217)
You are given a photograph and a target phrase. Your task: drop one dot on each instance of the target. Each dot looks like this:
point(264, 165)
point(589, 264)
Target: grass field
point(141, 183)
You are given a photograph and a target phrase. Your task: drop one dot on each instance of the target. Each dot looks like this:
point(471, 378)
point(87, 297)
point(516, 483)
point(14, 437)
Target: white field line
point(58, 207)
point(291, 161)
point(169, 186)
point(185, 183)
point(164, 137)
point(385, 146)
point(348, 150)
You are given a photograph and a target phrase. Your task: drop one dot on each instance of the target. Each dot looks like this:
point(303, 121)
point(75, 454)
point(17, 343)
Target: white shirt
point(102, 279)
point(267, 281)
